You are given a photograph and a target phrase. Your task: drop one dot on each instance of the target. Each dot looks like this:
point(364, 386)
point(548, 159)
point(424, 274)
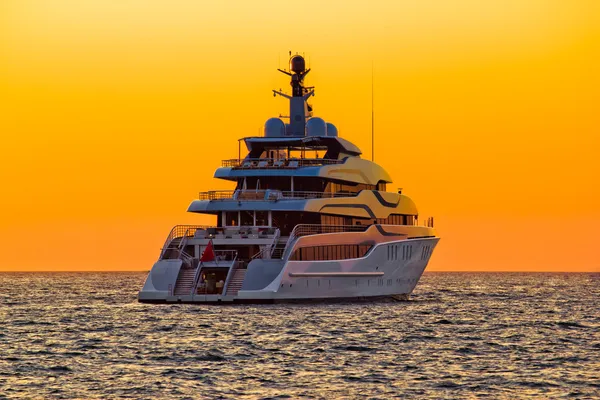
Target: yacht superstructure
point(309, 219)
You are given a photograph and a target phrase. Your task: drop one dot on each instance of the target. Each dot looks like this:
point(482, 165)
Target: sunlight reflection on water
point(83, 335)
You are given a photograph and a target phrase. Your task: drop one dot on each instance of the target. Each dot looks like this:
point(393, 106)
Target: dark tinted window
point(332, 252)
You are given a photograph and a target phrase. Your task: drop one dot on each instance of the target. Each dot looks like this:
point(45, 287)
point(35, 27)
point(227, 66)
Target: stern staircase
point(235, 284)
point(185, 282)
point(279, 248)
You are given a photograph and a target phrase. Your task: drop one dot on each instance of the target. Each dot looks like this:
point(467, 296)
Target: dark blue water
point(463, 335)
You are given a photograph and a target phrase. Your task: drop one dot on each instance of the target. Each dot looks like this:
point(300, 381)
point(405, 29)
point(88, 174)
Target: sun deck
point(277, 163)
point(268, 195)
point(205, 232)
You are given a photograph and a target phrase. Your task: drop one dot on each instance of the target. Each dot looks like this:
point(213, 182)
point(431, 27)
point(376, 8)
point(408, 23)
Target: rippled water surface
point(461, 336)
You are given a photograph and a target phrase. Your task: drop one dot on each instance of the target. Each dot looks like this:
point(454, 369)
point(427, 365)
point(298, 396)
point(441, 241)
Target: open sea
point(462, 335)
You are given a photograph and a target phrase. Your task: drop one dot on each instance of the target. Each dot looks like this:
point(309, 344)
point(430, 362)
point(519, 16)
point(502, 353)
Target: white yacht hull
point(385, 272)
point(296, 228)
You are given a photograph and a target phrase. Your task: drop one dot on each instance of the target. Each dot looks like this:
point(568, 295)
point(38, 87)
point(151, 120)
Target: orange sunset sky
point(115, 113)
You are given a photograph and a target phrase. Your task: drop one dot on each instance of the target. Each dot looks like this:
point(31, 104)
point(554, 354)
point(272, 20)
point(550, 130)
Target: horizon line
point(436, 271)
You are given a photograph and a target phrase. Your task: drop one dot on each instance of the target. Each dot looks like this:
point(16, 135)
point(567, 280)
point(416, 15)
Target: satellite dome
point(331, 129)
point(316, 127)
point(274, 127)
point(297, 64)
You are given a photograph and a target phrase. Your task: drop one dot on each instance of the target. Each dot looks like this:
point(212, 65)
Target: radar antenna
point(300, 110)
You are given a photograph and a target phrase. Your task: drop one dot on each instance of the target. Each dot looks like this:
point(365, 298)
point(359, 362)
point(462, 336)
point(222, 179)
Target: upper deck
point(268, 195)
point(350, 169)
point(301, 167)
point(332, 145)
point(277, 163)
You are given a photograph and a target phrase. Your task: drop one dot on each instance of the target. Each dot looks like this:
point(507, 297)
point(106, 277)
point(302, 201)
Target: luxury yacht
point(309, 220)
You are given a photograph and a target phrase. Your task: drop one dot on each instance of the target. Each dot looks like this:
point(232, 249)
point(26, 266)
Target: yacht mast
point(300, 110)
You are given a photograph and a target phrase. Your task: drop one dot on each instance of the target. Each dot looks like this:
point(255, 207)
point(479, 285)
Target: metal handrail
point(197, 274)
point(183, 256)
point(180, 231)
point(287, 240)
point(217, 195)
point(428, 222)
point(281, 162)
point(261, 231)
point(268, 194)
point(234, 254)
point(229, 275)
point(183, 242)
point(275, 242)
point(268, 249)
point(316, 229)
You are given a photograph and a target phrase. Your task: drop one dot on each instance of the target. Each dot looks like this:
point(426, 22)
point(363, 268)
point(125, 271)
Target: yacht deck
point(268, 194)
point(278, 163)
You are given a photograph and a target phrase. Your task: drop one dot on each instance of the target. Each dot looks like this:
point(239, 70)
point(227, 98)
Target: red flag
point(209, 254)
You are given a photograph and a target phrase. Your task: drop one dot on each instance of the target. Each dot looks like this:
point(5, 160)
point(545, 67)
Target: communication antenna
point(372, 113)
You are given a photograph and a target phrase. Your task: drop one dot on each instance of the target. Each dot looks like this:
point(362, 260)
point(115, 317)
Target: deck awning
point(311, 142)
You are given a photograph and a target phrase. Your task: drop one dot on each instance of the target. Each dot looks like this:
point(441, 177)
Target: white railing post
point(275, 242)
point(230, 274)
point(196, 276)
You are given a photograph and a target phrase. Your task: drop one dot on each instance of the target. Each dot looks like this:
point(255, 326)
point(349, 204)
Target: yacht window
point(334, 220)
point(348, 187)
point(310, 253)
point(397, 219)
point(232, 218)
point(331, 252)
point(247, 218)
point(262, 218)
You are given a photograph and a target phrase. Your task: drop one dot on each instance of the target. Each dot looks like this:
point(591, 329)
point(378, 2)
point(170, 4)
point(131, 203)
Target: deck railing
point(230, 273)
point(268, 194)
point(180, 231)
point(184, 232)
point(216, 195)
point(278, 162)
point(428, 222)
point(315, 229)
point(268, 249)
